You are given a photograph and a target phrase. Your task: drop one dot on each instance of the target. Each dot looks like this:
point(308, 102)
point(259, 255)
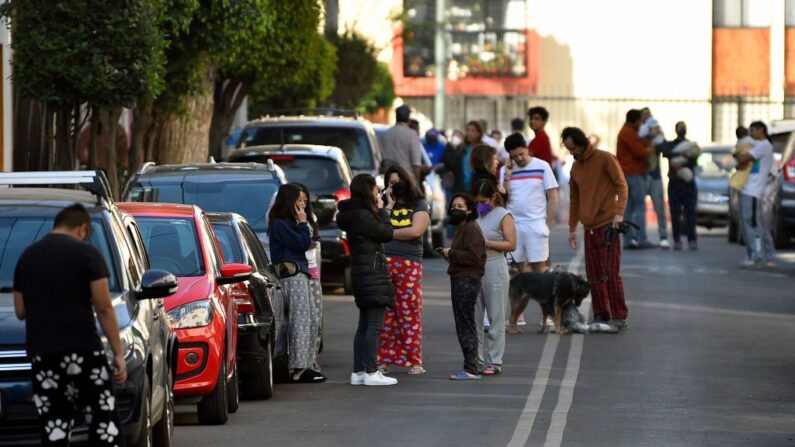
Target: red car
point(180, 240)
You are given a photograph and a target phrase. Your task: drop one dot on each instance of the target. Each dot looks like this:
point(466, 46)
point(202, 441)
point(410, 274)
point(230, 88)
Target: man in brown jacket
point(598, 198)
point(633, 156)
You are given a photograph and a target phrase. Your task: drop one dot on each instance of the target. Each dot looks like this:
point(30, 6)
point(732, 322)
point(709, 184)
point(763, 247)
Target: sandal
point(492, 370)
point(309, 376)
point(463, 375)
point(416, 370)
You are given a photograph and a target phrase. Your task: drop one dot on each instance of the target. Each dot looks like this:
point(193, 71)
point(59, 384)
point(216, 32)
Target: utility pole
point(441, 66)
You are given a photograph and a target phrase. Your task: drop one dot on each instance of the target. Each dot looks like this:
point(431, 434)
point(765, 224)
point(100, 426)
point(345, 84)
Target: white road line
point(524, 426)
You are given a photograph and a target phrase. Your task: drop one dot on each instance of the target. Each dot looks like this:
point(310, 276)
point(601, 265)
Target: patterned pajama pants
point(301, 322)
point(66, 385)
point(602, 265)
point(464, 293)
point(316, 289)
point(400, 341)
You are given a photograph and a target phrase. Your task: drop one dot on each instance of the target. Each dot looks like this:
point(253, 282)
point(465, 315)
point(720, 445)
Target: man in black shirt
point(57, 282)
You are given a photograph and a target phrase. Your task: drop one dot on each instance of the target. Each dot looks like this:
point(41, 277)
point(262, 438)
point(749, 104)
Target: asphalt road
point(709, 360)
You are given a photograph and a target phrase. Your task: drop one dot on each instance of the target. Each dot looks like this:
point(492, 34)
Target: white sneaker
point(378, 379)
point(664, 244)
point(357, 378)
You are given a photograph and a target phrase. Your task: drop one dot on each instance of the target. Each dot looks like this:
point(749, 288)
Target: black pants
point(365, 344)
point(66, 385)
point(464, 292)
point(683, 195)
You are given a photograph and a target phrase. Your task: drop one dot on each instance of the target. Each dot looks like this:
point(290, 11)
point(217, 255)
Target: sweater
point(598, 190)
point(632, 152)
point(288, 243)
point(540, 147)
point(467, 253)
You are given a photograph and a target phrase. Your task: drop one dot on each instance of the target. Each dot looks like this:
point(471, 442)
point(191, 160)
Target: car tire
point(734, 231)
point(781, 237)
point(145, 435)
point(281, 369)
point(260, 385)
point(213, 409)
point(233, 389)
point(164, 429)
point(347, 281)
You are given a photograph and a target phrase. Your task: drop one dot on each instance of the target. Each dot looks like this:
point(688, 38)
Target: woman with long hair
point(456, 158)
point(484, 167)
point(290, 237)
point(499, 232)
point(467, 259)
point(315, 287)
point(366, 221)
point(400, 342)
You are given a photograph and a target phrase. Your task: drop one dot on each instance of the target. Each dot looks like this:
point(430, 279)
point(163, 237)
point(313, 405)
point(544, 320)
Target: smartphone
point(439, 250)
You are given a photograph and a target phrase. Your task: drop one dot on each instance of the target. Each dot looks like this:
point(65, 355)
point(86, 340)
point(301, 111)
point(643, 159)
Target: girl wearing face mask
point(499, 231)
point(400, 341)
point(467, 258)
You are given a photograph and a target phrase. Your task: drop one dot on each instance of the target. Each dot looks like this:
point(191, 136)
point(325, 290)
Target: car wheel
point(347, 281)
point(213, 408)
point(260, 386)
point(733, 230)
point(281, 369)
point(233, 399)
point(145, 437)
point(164, 429)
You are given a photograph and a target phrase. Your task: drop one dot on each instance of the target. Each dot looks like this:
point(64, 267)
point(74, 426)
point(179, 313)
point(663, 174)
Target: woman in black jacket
point(366, 222)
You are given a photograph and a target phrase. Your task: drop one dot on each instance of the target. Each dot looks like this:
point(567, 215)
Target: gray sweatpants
point(492, 299)
point(756, 224)
point(658, 199)
point(301, 322)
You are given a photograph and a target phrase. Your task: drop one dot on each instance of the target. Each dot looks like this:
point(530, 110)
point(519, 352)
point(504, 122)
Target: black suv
point(243, 188)
point(145, 400)
point(353, 134)
point(325, 171)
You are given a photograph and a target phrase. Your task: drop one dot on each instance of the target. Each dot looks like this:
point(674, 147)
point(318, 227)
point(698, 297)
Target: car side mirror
point(285, 269)
point(233, 273)
point(157, 283)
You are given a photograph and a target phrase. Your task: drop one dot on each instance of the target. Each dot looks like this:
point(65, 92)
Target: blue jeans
point(636, 207)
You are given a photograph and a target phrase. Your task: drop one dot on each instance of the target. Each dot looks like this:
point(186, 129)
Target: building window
point(484, 38)
point(742, 13)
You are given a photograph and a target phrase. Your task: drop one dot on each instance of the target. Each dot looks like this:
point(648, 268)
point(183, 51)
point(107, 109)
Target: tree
point(356, 69)
point(79, 56)
point(382, 92)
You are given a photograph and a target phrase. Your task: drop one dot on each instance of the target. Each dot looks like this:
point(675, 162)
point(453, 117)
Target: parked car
point(325, 171)
point(179, 239)
point(145, 401)
point(434, 191)
point(243, 188)
point(353, 134)
point(782, 211)
point(712, 181)
point(257, 299)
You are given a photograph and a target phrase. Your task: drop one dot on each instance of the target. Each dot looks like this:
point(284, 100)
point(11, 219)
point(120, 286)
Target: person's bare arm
point(103, 306)
point(19, 305)
point(552, 206)
point(419, 225)
point(509, 233)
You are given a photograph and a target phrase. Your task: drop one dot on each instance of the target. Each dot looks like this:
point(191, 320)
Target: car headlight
point(195, 314)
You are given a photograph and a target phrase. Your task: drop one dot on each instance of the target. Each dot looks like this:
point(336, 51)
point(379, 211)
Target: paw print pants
point(68, 385)
point(400, 341)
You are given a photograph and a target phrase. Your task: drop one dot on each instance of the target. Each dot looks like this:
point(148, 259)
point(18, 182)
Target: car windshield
point(316, 173)
point(250, 198)
point(227, 239)
point(172, 244)
point(17, 233)
point(353, 141)
point(718, 163)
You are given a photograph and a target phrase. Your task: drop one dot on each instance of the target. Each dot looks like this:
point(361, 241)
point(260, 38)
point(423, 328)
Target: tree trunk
point(110, 119)
point(229, 94)
point(63, 139)
point(141, 127)
point(92, 139)
point(183, 138)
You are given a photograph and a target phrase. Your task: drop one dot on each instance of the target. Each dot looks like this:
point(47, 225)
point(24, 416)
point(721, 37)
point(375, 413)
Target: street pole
point(441, 66)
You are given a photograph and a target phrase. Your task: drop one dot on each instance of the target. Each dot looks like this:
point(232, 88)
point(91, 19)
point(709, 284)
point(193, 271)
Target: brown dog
point(552, 290)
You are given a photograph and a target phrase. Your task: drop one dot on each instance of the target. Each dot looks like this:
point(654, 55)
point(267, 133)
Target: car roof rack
point(93, 181)
point(313, 111)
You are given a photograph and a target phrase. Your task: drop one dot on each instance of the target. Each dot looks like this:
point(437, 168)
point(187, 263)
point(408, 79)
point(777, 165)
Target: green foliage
point(382, 92)
point(80, 51)
point(356, 69)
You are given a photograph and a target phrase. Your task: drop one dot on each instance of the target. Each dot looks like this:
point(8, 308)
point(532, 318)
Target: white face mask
point(455, 140)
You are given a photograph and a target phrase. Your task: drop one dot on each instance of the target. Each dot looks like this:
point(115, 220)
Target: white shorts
point(532, 241)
